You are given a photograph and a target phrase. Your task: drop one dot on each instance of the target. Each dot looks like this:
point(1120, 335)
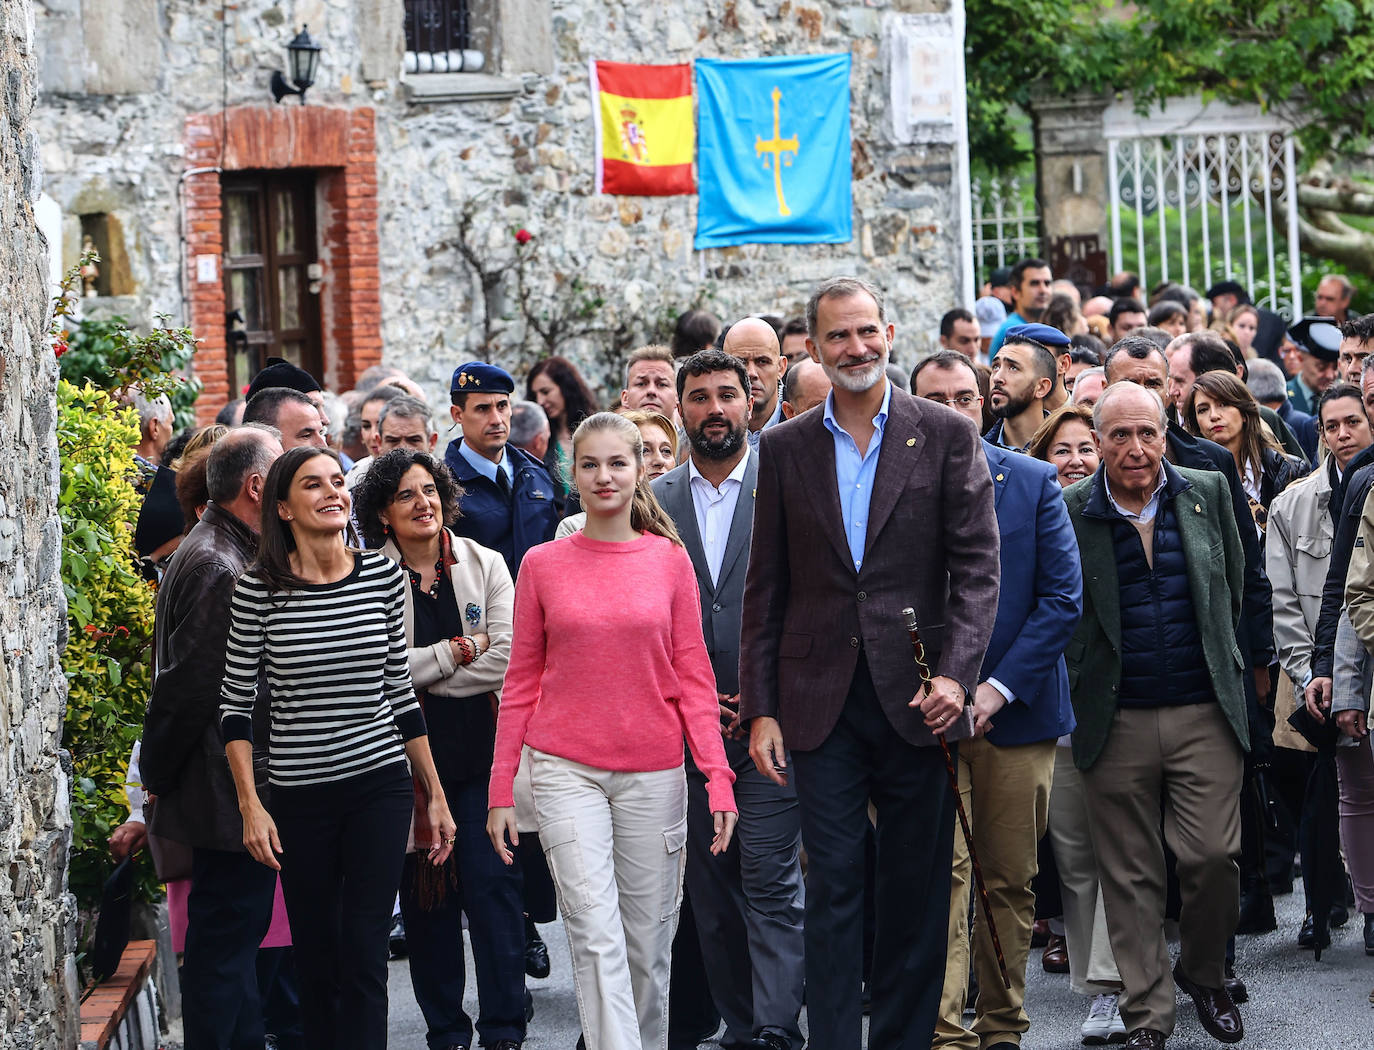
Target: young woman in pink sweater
point(608, 673)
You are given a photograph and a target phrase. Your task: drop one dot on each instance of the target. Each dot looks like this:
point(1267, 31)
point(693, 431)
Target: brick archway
point(339, 145)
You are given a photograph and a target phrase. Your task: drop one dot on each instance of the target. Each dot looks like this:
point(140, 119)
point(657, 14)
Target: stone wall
point(37, 974)
point(511, 146)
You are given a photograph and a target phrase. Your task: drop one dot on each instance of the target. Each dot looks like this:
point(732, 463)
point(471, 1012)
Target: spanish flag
point(644, 128)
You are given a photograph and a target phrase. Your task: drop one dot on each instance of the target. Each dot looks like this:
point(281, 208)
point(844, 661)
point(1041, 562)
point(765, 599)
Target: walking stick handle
point(918, 650)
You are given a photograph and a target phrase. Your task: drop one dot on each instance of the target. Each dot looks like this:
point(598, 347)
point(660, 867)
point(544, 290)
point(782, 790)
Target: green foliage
point(108, 658)
point(1014, 47)
point(1309, 60)
point(1313, 59)
point(110, 356)
point(107, 354)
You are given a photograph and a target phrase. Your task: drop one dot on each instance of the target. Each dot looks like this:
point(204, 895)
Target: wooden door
point(269, 246)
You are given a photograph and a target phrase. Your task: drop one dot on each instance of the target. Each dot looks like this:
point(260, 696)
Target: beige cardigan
point(480, 578)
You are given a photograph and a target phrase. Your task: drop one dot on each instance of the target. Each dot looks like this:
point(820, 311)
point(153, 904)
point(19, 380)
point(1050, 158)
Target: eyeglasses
point(962, 401)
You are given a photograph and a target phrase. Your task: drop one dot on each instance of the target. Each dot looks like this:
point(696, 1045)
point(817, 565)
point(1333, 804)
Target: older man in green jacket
point(1155, 679)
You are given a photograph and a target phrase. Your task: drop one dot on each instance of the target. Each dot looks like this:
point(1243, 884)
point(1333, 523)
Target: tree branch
point(1332, 223)
point(1354, 250)
point(1337, 197)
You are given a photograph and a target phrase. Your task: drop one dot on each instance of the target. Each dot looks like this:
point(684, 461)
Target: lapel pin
point(1197, 507)
point(1001, 477)
point(910, 442)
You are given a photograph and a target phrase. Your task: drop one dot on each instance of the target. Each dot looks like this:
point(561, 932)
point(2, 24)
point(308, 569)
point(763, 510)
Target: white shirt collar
point(736, 475)
point(1147, 512)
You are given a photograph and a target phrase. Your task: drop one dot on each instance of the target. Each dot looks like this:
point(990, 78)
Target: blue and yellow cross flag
point(773, 163)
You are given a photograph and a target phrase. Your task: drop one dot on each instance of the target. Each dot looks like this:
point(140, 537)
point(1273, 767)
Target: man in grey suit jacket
point(871, 503)
point(748, 902)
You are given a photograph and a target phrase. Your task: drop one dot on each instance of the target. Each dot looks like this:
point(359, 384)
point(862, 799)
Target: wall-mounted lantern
point(303, 56)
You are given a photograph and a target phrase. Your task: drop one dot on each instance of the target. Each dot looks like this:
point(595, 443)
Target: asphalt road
point(1295, 1003)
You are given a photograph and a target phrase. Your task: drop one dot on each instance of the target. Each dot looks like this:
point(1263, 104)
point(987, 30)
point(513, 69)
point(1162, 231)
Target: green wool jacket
point(1216, 568)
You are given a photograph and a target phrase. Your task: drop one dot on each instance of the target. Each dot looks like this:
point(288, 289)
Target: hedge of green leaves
point(108, 659)
point(109, 655)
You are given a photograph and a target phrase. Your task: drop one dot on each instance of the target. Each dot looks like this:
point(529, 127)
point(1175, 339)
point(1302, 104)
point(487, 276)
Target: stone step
point(120, 1013)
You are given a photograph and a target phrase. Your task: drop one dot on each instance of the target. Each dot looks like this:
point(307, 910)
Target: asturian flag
point(773, 156)
point(644, 133)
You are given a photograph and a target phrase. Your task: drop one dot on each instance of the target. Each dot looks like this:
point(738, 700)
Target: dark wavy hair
point(273, 564)
point(1226, 388)
point(377, 488)
point(578, 400)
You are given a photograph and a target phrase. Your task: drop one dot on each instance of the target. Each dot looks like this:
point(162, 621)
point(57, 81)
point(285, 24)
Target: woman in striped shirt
point(325, 625)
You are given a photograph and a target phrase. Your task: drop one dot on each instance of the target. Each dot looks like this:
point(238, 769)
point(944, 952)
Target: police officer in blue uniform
point(508, 503)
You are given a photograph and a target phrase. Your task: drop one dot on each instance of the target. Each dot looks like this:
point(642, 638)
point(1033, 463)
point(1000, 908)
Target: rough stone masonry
point(37, 972)
point(133, 89)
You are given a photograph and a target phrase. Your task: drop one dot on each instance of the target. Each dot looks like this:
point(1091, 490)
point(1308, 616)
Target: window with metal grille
point(439, 37)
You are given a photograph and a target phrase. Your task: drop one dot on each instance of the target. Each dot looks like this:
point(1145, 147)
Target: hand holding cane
point(920, 654)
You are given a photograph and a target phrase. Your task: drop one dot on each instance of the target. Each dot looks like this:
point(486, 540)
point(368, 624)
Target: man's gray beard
point(858, 382)
point(724, 449)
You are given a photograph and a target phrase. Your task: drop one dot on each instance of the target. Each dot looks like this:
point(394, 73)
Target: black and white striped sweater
point(335, 658)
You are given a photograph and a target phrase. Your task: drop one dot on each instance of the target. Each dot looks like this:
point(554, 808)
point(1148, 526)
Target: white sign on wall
point(928, 102)
point(925, 59)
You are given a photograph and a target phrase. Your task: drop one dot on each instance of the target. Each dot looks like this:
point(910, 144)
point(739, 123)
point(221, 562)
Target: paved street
point(1295, 1004)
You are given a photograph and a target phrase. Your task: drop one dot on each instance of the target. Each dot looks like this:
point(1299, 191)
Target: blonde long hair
point(646, 514)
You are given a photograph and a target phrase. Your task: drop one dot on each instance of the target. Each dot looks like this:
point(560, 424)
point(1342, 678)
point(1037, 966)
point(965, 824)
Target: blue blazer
point(510, 528)
point(1040, 601)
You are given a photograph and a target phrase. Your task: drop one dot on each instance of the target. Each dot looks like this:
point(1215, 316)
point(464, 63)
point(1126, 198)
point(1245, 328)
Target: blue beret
point(478, 377)
point(1041, 333)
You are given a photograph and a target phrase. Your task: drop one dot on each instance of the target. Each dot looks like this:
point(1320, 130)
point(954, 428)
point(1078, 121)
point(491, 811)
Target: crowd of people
point(792, 682)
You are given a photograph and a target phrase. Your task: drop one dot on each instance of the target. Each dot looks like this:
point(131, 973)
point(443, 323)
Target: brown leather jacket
point(183, 760)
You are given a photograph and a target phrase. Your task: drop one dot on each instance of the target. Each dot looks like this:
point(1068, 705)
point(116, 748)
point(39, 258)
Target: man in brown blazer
point(872, 502)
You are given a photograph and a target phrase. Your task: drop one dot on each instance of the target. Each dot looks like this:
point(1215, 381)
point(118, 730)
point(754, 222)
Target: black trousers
point(227, 915)
point(343, 845)
point(492, 896)
point(863, 759)
point(281, 997)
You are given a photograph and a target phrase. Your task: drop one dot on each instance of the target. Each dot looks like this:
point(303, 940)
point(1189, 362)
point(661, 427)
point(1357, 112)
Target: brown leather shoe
point(1040, 933)
point(1056, 956)
point(1215, 1009)
point(1145, 1039)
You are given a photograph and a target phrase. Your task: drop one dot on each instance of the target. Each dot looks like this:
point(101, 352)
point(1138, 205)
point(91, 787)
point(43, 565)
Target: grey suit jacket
point(722, 602)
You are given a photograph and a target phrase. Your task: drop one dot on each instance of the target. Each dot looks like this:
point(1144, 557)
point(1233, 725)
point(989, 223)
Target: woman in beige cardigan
point(458, 609)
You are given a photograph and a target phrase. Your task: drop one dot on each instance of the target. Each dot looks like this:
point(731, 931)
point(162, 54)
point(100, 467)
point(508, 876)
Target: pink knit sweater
point(608, 666)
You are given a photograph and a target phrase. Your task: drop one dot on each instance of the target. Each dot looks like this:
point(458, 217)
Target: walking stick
point(920, 653)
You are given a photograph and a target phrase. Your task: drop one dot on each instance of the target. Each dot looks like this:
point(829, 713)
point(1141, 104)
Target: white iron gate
point(1006, 224)
point(1203, 193)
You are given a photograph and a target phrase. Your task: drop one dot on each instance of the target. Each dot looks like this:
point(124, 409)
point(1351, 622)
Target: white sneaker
point(1104, 1023)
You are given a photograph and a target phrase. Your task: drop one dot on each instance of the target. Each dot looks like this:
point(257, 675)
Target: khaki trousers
point(1092, 969)
point(1189, 757)
point(616, 845)
point(1006, 793)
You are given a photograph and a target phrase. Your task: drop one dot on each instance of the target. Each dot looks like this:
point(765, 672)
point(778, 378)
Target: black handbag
point(1321, 735)
point(112, 928)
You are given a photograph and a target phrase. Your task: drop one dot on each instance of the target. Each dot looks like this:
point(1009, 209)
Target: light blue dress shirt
point(854, 473)
point(484, 466)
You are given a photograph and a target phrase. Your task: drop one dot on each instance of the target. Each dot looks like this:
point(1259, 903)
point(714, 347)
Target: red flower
point(523, 236)
point(59, 349)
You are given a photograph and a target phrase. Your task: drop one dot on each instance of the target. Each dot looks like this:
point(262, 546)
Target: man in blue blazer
point(1021, 708)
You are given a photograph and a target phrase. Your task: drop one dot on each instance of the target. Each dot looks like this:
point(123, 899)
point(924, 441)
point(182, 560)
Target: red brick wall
point(340, 145)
